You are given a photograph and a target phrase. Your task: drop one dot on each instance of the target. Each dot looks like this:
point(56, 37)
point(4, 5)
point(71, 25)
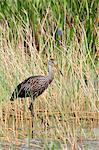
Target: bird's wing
point(39, 85)
point(29, 87)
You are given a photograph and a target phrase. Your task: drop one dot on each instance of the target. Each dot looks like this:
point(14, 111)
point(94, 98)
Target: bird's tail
point(12, 97)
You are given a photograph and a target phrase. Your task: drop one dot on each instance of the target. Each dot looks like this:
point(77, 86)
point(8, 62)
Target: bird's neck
point(50, 73)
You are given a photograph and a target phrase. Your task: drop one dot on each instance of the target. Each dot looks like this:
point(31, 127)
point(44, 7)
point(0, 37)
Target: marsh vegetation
point(32, 32)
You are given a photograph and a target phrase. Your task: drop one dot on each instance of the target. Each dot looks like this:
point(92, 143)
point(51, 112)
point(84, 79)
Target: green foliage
point(53, 145)
point(29, 11)
point(32, 31)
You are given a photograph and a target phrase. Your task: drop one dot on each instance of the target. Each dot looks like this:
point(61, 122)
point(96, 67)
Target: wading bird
point(34, 85)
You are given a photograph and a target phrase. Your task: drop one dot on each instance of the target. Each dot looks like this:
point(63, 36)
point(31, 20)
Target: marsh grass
point(28, 38)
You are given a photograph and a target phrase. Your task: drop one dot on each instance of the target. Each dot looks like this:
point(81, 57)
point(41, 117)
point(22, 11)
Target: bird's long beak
point(56, 66)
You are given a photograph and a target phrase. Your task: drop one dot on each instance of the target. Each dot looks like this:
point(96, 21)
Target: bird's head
point(52, 63)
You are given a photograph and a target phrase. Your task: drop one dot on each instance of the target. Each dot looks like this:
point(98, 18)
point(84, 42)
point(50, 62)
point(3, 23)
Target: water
point(90, 145)
point(37, 144)
point(40, 144)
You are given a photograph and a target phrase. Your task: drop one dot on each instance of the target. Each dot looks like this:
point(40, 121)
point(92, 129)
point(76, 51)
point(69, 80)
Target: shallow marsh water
point(16, 127)
point(34, 145)
point(40, 144)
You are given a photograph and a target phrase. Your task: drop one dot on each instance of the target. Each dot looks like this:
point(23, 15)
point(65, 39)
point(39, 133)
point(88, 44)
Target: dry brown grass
point(67, 105)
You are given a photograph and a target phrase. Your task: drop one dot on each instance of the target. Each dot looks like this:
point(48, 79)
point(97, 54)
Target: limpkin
point(34, 85)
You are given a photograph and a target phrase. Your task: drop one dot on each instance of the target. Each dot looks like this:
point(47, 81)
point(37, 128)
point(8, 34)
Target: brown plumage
point(31, 87)
point(34, 85)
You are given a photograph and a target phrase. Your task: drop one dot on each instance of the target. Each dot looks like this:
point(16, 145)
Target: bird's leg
point(32, 113)
point(31, 108)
